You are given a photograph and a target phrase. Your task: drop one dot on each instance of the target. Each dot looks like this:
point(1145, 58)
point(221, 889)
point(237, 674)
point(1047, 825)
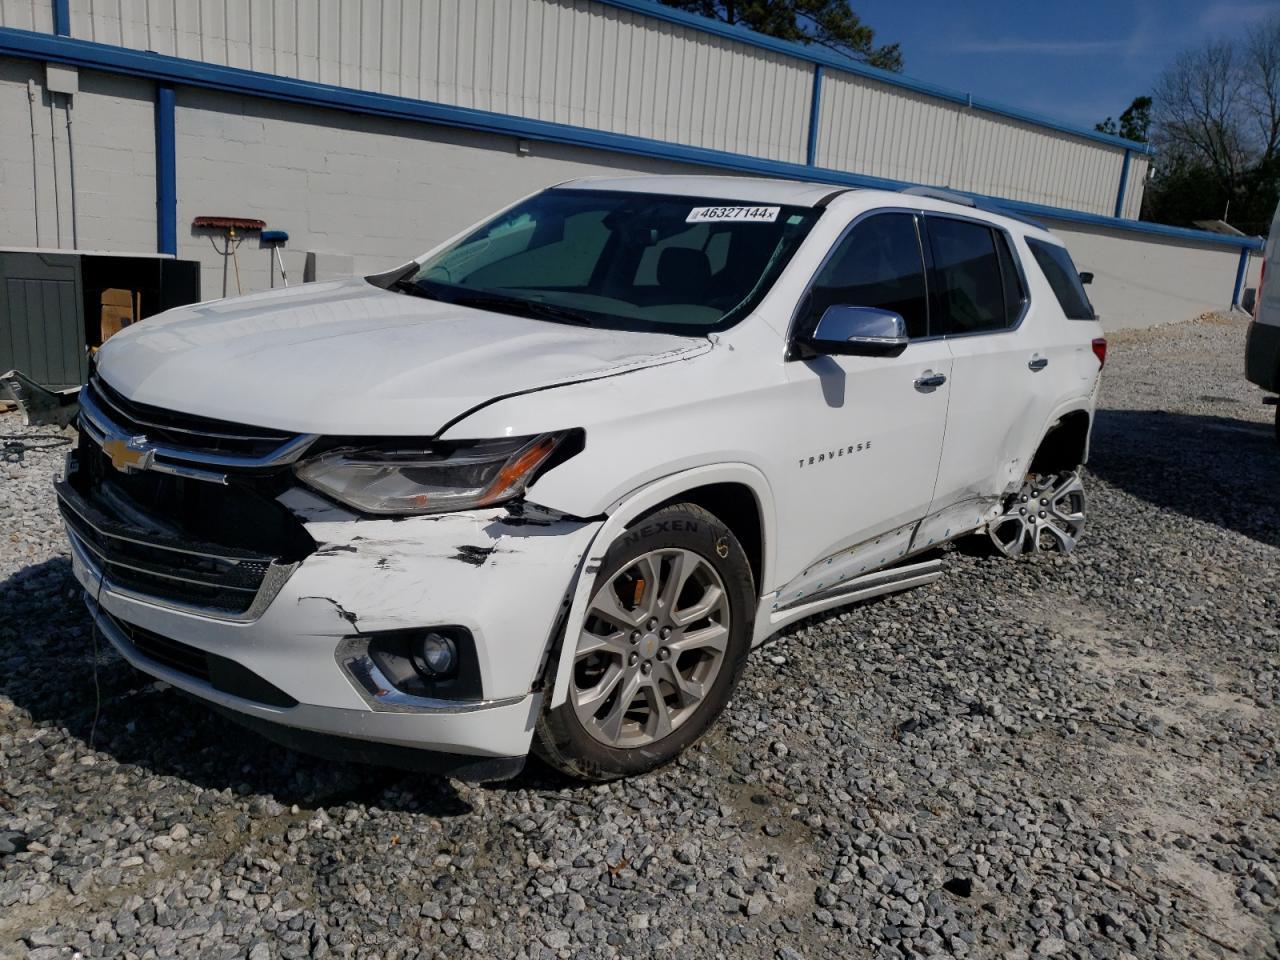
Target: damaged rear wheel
point(664, 641)
point(1048, 513)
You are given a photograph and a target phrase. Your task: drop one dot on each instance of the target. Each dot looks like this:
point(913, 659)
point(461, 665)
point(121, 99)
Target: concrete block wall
point(1141, 281)
point(377, 190)
point(77, 171)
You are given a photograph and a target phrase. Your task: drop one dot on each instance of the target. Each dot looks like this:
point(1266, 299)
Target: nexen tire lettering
point(662, 526)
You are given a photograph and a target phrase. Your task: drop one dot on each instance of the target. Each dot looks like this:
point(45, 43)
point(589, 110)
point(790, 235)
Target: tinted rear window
point(1063, 277)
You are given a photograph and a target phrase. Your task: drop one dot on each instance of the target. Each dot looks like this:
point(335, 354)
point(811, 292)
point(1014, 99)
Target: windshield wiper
point(537, 309)
point(405, 285)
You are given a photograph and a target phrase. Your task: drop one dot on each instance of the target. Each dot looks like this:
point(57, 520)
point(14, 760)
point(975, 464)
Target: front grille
point(195, 521)
point(194, 434)
point(215, 578)
point(221, 673)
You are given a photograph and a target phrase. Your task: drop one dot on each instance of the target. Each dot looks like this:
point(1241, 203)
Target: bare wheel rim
point(1048, 513)
point(651, 647)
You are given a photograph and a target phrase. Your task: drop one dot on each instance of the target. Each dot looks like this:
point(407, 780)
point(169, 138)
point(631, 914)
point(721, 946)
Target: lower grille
point(221, 673)
point(224, 581)
point(168, 653)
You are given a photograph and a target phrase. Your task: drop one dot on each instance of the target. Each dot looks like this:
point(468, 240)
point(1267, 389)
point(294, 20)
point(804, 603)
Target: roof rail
point(978, 203)
point(998, 208)
point(937, 193)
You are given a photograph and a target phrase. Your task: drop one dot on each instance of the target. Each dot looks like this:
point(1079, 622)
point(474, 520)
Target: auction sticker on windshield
point(720, 214)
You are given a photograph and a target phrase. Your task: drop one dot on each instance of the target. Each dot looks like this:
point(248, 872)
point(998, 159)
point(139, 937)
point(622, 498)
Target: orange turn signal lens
point(516, 471)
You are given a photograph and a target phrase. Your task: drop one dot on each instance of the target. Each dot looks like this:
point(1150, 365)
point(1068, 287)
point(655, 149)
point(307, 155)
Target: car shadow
point(49, 669)
point(1210, 468)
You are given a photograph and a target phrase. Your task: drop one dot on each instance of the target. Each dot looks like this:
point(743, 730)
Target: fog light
point(435, 656)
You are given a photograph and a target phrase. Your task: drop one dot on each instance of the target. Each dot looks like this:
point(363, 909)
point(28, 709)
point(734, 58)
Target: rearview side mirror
point(1086, 277)
point(854, 331)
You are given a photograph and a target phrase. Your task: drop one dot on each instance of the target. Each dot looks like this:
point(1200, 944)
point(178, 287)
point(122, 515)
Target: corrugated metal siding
point(1006, 158)
point(601, 67)
point(27, 15)
point(567, 61)
point(876, 129)
point(1136, 187)
point(873, 128)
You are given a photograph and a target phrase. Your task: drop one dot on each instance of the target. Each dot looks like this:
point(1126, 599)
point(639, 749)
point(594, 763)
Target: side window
point(877, 264)
point(970, 283)
point(1063, 277)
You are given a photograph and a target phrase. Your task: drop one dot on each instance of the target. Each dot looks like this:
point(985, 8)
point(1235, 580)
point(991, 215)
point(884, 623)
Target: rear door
point(1002, 383)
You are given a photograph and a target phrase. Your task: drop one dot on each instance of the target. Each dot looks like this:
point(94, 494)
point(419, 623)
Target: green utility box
point(51, 305)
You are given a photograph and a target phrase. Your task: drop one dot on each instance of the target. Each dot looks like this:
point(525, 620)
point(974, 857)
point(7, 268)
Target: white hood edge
point(349, 358)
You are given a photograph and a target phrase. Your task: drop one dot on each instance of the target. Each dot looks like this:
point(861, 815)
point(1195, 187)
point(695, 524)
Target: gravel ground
point(1066, 756)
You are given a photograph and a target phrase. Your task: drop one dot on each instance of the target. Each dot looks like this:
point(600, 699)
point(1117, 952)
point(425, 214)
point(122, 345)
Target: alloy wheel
point(1047, 513)
point(651, 646)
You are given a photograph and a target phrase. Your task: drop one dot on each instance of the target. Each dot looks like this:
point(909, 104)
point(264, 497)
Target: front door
point(864, 462)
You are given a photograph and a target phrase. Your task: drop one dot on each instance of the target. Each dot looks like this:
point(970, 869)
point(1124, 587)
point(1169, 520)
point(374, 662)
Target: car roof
point(743, 189)
point(798, 193)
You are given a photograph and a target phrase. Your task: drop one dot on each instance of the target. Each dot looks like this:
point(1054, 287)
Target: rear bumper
point(1262, 356)
point(505, 581)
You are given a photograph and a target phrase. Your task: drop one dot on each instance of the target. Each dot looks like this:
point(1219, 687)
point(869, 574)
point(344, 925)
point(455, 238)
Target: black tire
point(561, 740)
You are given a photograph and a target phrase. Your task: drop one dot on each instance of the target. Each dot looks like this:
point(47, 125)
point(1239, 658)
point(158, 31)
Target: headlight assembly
point(437, 479)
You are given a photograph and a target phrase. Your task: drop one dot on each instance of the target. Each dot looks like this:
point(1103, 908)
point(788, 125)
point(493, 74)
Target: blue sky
point(1078, 61)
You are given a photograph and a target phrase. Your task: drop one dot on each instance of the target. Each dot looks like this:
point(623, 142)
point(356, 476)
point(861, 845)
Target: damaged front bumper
point(298, 669)
point(39, 405)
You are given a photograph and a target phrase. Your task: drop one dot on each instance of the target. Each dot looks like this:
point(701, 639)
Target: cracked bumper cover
point(502, 577)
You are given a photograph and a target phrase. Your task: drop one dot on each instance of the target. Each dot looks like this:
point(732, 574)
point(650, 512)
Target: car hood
point(350, 358)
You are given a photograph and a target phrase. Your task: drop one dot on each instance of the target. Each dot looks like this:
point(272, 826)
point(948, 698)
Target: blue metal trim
point(801, 52)
point(1240, 275)
point(62, 17)
point(815, 104)
point(166, 172)
point(1124, 183)
point(165, 69)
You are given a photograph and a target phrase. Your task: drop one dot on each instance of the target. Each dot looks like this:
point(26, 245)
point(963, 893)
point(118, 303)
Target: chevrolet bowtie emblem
point(129, 454)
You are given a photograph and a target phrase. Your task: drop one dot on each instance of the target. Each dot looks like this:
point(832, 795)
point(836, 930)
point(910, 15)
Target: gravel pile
point(1069, 757)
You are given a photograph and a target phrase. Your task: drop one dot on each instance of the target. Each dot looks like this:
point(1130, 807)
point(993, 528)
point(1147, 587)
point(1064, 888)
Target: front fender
point(624, 512)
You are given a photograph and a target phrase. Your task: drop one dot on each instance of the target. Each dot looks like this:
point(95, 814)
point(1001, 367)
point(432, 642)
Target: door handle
point(1039, 363)
point(930, 382)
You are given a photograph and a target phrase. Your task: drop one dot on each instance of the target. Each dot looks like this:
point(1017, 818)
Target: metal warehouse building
point(369, 130)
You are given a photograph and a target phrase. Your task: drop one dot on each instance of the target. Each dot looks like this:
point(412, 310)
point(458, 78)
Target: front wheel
point(665, 638)
point(1046, 514)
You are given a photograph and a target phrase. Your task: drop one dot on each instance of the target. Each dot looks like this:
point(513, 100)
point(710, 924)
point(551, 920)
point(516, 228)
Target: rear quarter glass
point(1064, 279)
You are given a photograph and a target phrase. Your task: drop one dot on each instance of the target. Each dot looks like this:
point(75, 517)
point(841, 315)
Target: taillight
point(1100, 350)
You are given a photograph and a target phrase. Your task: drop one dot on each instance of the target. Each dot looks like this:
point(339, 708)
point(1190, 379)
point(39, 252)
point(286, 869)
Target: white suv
point(547, 485)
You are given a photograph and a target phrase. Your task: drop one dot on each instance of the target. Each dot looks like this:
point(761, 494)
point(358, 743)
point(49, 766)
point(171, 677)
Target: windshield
point(619, 259)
